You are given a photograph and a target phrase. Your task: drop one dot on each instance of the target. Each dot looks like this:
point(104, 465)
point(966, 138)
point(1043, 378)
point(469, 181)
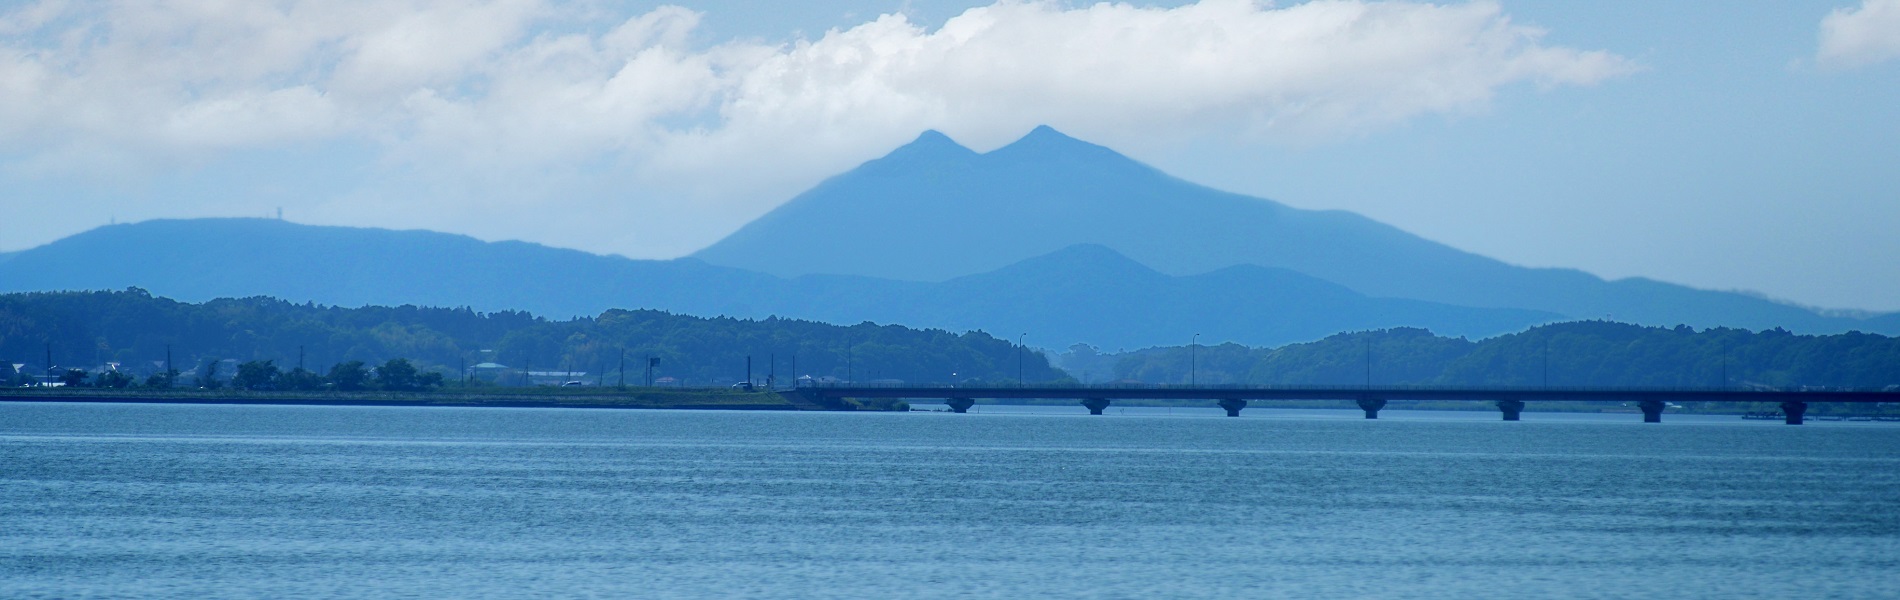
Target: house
point(488, 372)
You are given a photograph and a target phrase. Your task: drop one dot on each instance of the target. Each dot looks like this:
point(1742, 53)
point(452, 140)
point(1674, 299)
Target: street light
point(1019, 359)
point(1194, 349)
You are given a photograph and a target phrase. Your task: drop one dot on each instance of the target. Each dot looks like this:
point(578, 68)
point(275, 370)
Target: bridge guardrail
point(1341, 388)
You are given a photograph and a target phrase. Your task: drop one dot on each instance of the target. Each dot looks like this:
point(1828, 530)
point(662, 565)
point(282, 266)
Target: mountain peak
point(932, 142)
point(1045, 131)
point(1045, 142)
point(931, 150)
point(1046, 137)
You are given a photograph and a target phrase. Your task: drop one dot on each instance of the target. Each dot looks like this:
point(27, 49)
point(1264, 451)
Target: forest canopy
point(1572, 354)
point(137, 331)
point(89, 330)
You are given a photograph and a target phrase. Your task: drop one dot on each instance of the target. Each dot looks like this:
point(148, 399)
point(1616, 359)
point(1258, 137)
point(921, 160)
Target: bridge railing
point(1334, 387)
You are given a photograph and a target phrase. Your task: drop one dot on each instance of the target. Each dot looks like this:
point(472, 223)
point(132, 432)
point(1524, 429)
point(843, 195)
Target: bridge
point(1509, 400)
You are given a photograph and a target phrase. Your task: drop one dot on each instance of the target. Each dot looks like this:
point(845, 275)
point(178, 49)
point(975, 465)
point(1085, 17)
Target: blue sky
point(1721, 145)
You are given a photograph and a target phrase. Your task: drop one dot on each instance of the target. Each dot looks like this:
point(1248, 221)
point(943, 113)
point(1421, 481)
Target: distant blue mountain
point(1091, 293)
point(201, 259)
point(1079, 294)
point(934, 210)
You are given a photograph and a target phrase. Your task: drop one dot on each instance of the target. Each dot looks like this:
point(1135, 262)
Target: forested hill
point(1580, 353)
point(89, 329)
point(134, 328)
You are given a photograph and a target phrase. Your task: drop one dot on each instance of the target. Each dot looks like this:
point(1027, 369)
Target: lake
point(114, 500)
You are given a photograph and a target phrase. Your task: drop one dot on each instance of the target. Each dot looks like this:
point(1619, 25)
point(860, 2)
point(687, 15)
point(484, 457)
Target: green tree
point(114, 379)
point(396, 374)
point(349, 376)
point(73, 378)
point(300, 379)
point(165, 379)
point(208, 375)
point(256, 375)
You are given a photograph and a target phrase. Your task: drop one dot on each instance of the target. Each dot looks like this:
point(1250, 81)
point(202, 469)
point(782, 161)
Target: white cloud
point(629, 117)
point(1860, 36)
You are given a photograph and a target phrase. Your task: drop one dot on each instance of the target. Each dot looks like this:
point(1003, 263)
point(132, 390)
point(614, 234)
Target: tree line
point(309, 344)
point(396, 375)
point(1574, 354)
point(265, 343)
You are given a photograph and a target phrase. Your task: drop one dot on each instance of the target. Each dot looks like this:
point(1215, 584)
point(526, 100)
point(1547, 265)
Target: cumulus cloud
point(629, 112)
point(1860, 36)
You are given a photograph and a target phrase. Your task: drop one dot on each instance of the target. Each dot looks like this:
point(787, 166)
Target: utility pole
point(847, 361)
point(771, 370)
point(623, 368)
point(47, 380)
point(1194, 359)
point(748, 372)
point(1019, 359)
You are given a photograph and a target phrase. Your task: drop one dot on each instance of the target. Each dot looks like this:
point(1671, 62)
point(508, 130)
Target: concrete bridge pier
point(1794, 411)
point(960, 405)
point(1371, 406)
point(1233, 406)
point(1511, 408)
point(1096, 405)
point(1652, 410)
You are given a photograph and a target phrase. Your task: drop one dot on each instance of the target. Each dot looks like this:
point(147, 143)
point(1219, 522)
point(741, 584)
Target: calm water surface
point(292, 502)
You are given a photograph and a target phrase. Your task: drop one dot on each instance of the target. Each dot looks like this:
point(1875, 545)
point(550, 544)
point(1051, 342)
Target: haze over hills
point(202, 259)
point(933, 210)
point(1080, 294)
point(1093, 294)
point(1050, 235)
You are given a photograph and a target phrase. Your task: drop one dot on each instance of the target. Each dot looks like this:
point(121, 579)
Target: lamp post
point(1194, 358)
point(1019, 359)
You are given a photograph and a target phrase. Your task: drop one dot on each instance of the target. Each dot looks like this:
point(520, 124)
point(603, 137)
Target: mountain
point(1078, 294)
point(196, 260)
point(934, 210)
point(1089, 293)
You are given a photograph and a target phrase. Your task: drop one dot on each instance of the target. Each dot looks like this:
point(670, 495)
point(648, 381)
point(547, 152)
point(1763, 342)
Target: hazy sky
point(1727, 145)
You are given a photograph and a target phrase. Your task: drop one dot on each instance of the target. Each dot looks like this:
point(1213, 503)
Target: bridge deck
point(1164, 392)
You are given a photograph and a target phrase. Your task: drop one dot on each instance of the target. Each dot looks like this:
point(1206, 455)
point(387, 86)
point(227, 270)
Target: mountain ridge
point(921, 220)
point(1084, 293)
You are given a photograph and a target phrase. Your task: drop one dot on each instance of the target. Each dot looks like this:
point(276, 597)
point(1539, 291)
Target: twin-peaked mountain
point(933, 210)
point(1065, 240)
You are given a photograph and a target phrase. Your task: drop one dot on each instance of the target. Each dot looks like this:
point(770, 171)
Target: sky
point(1724, 145)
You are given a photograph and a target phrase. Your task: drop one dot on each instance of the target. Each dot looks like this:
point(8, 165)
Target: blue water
point(305, 502)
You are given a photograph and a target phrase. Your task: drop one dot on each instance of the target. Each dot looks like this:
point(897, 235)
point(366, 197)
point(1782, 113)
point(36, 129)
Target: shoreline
point(715, 399)
point(669, 400)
